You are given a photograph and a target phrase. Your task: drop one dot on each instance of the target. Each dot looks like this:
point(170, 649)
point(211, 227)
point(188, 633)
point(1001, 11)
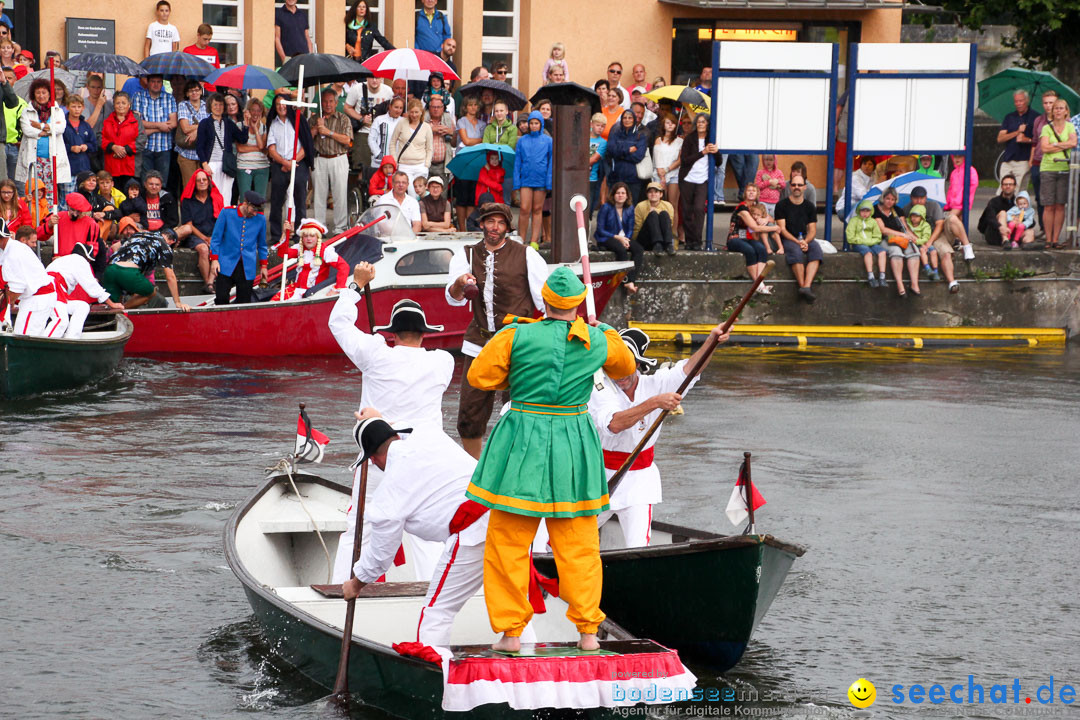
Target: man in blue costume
point(237, 246)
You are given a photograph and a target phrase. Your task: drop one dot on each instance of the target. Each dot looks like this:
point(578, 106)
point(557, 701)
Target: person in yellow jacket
point(544, 460)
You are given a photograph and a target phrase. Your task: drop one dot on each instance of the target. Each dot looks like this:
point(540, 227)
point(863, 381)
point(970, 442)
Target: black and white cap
point(408, 316)
point(638, 342)
point(370, 434)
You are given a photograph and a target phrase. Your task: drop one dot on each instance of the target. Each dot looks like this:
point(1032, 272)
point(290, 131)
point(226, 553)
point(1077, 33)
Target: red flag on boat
point(309, 441)
point(736, 507)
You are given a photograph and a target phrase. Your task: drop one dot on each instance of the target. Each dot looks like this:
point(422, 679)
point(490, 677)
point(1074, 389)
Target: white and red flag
point(736, 507)
point(309, 441)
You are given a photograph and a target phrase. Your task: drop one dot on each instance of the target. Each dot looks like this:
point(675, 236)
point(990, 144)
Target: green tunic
point(543, 458)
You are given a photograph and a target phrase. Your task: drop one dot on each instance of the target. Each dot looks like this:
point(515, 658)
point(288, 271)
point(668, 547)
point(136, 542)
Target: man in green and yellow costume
point(543, 459)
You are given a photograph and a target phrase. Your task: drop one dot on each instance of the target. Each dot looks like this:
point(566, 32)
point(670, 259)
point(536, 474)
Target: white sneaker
point(969, 252)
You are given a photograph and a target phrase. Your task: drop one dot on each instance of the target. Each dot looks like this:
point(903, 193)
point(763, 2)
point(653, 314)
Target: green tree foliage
point(1046, 30)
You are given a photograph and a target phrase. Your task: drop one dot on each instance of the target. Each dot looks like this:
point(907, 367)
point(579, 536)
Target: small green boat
point(700, 593)
point(31, 365)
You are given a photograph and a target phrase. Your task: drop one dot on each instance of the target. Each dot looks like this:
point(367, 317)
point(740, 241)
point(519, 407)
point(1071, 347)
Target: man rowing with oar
point(425, 474)
point(543, 459)
point(405, 381)
point(623, 410)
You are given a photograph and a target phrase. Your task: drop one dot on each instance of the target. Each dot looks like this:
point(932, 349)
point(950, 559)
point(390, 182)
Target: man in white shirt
point(24, 280)
point(422, 492)
point(623, 411)
point(77, 288)
point(400, 199)
point(405, 381)
point(360, 101)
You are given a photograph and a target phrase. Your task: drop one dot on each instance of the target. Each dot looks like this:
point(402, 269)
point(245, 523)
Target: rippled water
point(936, 493)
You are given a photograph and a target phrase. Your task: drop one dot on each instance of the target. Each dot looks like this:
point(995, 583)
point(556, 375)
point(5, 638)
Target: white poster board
point(773, 112)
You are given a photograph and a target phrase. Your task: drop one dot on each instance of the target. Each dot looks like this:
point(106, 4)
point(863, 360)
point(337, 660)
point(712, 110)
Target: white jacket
point(28, 147)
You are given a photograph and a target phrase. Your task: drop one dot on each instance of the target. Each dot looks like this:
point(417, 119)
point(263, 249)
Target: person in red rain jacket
point(315, 263)
point(381, 182)
point(121, 138)
point(491, 177)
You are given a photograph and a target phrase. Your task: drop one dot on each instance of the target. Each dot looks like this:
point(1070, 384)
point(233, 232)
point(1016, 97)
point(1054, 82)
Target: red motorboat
point(417, 269)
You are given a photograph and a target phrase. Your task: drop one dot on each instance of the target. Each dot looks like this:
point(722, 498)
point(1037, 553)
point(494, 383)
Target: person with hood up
point(491, 177)
point(1020, 221)
point(863, 234)
point(532, 176)
point(200, 204)
point(627, 145)
point(382, 181)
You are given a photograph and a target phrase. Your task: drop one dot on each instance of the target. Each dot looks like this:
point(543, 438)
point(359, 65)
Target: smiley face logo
point(862, 693)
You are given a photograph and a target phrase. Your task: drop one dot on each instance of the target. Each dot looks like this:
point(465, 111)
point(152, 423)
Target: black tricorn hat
point(408, 316)
point(638, 342)
point(369, 436)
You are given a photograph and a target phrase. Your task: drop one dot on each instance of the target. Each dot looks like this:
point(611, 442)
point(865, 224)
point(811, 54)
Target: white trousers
point(332, 174)
point(413, 171)
point(635, 521)
point(1021, 169)
point(223, 181)
point(39, 316)
point(76, 311)
point(459, 576)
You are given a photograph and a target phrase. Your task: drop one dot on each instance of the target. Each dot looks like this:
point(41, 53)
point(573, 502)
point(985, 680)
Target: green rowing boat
point(31, 365)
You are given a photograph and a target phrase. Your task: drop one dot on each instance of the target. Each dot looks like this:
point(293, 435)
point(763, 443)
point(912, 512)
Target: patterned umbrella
point(176, 63)
point(684, 94)
point(322, 68)
point(408, 64)
point(514, 98)
point(105, 63)
point(247, 77)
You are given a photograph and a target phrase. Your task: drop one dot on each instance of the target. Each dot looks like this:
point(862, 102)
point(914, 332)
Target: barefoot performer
point(623, 410)
point(543, 459)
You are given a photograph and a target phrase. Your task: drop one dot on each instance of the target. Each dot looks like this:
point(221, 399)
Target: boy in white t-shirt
point(161, 37)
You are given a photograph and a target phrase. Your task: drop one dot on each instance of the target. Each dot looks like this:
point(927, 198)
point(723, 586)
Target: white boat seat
point(287, 516)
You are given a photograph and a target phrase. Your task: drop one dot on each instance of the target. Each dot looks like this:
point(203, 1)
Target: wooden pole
point(748, 490)
point(710, 346)
point(370, 307)
point(341, 682)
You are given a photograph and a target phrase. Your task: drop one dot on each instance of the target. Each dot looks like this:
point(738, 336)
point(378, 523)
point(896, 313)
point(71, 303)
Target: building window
point(500, 35)
point(226, 17)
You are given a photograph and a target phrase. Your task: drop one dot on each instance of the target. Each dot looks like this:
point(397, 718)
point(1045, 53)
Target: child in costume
point(316, 259)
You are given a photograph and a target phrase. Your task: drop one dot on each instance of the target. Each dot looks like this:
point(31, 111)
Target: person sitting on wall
point(992, 222)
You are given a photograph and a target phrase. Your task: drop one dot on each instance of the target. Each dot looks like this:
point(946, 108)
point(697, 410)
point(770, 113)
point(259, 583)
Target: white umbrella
point(71, 80)
point(408, 64)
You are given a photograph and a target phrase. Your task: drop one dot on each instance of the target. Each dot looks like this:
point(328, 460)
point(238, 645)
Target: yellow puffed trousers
point(575, 543)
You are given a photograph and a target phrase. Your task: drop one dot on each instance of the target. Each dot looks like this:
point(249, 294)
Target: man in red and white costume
point(315, 263)
point(77, 288)
point(25, 281)
point(623, 411)
point(405, 381)
point(425, 474)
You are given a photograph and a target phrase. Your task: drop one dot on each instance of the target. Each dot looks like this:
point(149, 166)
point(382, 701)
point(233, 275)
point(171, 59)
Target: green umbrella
point(996, 91)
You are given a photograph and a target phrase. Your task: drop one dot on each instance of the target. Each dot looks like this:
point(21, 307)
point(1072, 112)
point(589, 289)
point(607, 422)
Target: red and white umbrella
point(408, 64)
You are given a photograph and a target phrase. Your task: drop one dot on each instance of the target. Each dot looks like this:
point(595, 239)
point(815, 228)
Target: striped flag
point(309, 441)
point(736, 507)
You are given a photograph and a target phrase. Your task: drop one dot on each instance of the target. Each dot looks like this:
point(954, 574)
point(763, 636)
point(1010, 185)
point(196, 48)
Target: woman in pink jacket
point(954, 203)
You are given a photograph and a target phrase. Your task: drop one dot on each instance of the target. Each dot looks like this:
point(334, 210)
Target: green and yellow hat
point(563, 290)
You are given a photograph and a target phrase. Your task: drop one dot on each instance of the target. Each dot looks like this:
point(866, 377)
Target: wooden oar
point(710, 346)
point(341, 683)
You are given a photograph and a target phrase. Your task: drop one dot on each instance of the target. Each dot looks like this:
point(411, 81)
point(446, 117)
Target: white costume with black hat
point(24, 275)
point(405, 384)
point(422, 491)
point(640, 488)
point(76, 287)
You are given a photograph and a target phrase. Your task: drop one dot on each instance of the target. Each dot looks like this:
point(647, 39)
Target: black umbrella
point(567, 93)
point(514, 98)
point(105, 63)
point(322, 68)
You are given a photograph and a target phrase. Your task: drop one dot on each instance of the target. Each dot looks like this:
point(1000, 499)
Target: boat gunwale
point(125, 324)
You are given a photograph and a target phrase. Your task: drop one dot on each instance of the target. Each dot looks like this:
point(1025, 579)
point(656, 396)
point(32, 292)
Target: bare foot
point(588, 641)
point(510, 644)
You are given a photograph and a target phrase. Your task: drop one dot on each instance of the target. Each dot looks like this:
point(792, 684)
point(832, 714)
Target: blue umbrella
point(467, 163)
point(105, 63)
point(176, 63)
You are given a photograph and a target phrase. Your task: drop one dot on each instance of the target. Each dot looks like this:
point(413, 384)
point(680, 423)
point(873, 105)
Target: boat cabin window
point(435, 261)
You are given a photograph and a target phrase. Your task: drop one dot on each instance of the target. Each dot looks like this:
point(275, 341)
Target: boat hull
point(703, 598)
point(30, 365)
point(300, 327)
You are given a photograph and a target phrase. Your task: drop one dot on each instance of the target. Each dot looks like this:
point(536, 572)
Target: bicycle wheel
point(997, 166)
point(356, 205)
